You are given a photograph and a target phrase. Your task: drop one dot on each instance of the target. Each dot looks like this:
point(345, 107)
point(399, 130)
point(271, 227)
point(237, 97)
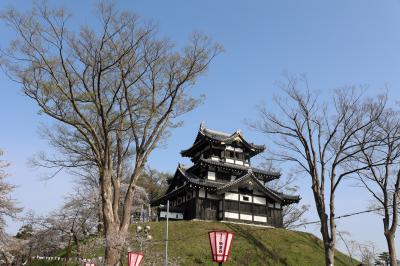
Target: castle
point(222, 185)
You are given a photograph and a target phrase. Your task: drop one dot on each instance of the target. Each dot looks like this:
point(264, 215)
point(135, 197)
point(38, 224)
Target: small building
point(222, 185)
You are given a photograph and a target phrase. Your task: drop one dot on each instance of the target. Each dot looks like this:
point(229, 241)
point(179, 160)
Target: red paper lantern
point(220, 242)
point(135, 258)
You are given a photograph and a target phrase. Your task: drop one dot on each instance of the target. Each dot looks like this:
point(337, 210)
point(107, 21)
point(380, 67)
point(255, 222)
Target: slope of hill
point(189, 245)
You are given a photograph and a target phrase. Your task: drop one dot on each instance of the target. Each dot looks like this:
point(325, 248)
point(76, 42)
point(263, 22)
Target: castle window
point(234, 155)
point(231, 206)
point(260, 209)
point(211, 175)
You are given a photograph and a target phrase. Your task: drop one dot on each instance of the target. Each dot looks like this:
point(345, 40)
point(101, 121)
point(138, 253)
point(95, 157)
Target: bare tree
point(350, 245)
point(154, 182)
point(293, 214)
point(381, 171)
point(320, 139)
point(368, 253)
point(364, 252)
point(113, 90)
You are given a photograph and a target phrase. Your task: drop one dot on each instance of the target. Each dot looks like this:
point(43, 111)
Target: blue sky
point(335, 43)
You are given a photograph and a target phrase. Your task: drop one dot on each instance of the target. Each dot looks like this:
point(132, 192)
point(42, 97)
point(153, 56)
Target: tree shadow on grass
point(239, 231)
point(317, 243)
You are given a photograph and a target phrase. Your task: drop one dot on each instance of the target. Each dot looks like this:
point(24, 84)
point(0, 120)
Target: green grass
point(252, 245)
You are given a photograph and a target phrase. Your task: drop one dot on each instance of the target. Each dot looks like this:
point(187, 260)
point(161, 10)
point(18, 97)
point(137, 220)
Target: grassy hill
point(252, 245)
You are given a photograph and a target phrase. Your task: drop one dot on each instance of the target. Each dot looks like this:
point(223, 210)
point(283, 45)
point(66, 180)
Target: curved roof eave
point(272, 175)
point(222, 137)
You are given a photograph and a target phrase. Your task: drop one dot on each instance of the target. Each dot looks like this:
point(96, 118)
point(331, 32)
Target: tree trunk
point(111, 227)
point(68, 250)
point(391, 249)
point(78, 247)
point(100, 226)
point(329, 254)
point(112, 236)
point(114, 239)
point(328, 241)
point(329, 245)
point(112, 256)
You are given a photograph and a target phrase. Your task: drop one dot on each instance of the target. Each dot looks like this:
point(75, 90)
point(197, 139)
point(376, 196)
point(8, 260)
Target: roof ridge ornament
point(202, 125)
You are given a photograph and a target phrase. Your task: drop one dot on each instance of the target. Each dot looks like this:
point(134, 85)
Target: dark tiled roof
point(199, 181)
point(288, 199)
point(249, 176)
point(284, 198)
point(159, 200)
point(218, 136)
point(257, 171)
point(222, 136)
point(221, 187)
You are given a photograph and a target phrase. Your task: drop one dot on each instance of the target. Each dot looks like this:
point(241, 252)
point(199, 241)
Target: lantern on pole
point(220, 243)
point(135, 258)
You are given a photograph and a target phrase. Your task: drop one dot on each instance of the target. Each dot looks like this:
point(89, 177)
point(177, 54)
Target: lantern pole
point(166, 236)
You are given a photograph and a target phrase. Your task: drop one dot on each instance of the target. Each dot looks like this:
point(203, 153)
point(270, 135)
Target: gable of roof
point(175, 180)
point(204, 135)
point(189, 180)
point(250, 179)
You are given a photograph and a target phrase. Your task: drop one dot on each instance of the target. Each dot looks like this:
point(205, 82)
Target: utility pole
point(166, 236)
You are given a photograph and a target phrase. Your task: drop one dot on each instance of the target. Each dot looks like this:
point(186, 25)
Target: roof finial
point(202, 125)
